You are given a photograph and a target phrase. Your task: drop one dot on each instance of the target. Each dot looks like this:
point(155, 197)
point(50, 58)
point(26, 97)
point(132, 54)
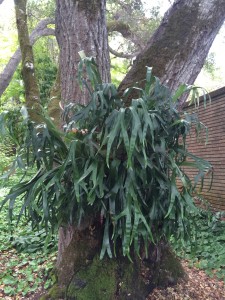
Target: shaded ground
point(198, 287)
point(23, 275)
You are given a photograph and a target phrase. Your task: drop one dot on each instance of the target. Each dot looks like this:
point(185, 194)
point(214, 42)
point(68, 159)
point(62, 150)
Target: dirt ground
point(199, 286)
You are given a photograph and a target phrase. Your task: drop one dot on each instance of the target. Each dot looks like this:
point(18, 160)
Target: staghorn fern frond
point(123, 163)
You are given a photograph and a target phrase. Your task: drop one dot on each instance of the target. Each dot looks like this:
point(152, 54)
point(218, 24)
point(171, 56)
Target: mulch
point(198, 286)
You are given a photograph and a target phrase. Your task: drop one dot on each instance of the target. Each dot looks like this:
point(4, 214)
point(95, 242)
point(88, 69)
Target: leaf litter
point(198, 286)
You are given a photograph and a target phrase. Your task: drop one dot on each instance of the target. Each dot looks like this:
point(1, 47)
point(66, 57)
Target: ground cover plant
point(206, 247)
point(24, 267)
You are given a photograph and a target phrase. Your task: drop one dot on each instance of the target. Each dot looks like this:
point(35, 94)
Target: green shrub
point(24, 269)
point(205, 247)
point(5, 161)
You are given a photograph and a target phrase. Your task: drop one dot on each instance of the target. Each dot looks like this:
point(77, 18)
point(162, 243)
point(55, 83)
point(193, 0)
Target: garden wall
point(213, 116)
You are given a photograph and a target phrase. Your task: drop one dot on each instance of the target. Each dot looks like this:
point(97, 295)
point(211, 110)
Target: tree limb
point(125, 30)
point(40, 31)
point(123, 55)
point(120, 27)
point(178, 48)
point(31, 89)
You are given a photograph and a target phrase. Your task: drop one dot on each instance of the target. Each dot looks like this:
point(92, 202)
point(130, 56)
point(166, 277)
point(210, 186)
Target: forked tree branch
point(40, 31)
point(122, 54)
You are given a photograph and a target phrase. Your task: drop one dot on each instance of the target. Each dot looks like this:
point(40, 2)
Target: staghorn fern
point(123, 163)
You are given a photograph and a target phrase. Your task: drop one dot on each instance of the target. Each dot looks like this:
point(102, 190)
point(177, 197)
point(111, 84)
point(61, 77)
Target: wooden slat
point(214, 118)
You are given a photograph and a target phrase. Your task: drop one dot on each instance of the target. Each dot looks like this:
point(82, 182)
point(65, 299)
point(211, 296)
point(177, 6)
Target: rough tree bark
point(178, 48)
point(40, 30)
point(30, 82)
point(80, 25)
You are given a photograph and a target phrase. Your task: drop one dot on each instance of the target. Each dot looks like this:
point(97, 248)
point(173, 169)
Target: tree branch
point(125, 30)
point(123, 55)
point(120, 27)
point(42, 28)
point(40, 31)
point(178, 48)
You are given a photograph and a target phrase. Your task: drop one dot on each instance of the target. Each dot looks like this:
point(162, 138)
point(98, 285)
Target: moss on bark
point(98, 279)
point(108, 279)
point(55, 292)
point(118, 278)
point(28, 73)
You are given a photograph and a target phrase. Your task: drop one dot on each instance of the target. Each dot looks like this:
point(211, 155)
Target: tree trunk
point(80, 25)
point(178, 48)
point(74, 35)
point(30, 83)
point(82, 275)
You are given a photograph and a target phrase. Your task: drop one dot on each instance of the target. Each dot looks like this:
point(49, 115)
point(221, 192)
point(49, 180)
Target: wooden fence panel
point(213, 116)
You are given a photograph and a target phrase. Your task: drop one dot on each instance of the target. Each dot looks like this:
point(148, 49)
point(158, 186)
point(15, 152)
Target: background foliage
point(205, 248)
point(25, 267)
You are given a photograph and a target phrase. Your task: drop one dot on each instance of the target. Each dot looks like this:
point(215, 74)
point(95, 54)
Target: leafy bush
point(205, 248)
point(23, 272)
point(14, 94)
point(12, 131)
point(5, 160)
point(12, 126)
point(46, 74)
point(121, 165)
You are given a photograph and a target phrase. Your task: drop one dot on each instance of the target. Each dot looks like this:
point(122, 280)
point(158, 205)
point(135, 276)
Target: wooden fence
point(213, 116)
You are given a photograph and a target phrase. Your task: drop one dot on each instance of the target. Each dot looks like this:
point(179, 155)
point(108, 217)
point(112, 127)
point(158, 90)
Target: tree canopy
point(130, 25)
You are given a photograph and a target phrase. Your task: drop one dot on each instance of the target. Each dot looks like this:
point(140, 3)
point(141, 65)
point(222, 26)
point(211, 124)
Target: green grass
point(206, 247)
point(25, 264)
